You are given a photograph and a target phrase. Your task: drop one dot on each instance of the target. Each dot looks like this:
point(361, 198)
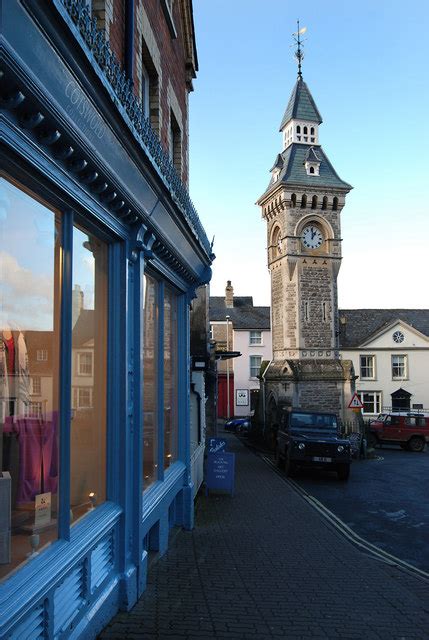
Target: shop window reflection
point(170, 378)
point(89, 362)
point(150, 386)
point(29, 348)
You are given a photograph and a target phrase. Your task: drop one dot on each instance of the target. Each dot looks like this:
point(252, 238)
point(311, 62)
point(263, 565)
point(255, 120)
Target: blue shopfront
point(101, 252)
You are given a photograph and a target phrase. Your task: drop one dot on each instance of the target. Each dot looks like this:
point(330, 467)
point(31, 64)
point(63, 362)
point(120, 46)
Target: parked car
point(310, 439)
point(239, 425)
point(409, 430)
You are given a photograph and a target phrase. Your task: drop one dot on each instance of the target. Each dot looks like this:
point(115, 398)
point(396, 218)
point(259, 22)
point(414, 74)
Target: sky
point(366, 67)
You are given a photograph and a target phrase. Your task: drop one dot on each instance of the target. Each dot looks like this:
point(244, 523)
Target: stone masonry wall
point(315, 292)
point(319, 395)
point(277, 309)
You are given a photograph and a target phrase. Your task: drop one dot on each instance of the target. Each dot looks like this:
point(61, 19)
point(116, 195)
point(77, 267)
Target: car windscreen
point(382, 417)
point(304, 421)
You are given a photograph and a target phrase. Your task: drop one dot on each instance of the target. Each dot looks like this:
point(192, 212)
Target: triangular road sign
point(355, 402)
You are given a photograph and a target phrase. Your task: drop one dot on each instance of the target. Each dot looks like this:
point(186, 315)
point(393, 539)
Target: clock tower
point(302, 207)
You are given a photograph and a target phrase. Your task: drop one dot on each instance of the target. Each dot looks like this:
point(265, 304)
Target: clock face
point(312, 237)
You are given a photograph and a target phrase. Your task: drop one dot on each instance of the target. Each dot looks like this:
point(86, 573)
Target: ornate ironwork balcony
point(84, 28)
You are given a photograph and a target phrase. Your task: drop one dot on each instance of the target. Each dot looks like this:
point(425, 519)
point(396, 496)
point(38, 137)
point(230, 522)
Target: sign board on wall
point(242, 397)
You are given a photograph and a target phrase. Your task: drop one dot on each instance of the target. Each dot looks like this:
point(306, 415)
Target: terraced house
point(101, 255)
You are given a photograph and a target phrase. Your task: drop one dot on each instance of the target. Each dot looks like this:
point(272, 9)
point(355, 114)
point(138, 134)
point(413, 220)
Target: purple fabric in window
point(38, 455)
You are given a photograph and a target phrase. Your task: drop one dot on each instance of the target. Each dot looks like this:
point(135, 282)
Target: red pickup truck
point(409, 430)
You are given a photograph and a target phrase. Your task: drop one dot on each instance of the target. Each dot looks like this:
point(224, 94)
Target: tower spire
point(299, 53)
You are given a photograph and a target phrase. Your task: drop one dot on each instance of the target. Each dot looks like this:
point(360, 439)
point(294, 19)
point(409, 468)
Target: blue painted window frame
point(163, 281)
point(115, 322)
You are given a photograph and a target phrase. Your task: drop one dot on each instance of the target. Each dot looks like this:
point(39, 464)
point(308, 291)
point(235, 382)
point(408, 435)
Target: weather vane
point(299, 53)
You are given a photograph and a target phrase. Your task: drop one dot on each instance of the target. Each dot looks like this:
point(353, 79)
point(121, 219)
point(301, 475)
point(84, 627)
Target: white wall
point(242, 380)
point(416, 382)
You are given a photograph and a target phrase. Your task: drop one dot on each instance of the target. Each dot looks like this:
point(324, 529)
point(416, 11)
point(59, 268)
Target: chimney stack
point(229, 295)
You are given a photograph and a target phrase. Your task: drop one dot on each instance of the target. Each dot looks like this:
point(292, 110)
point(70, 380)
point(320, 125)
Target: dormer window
point(312, 163)
point(276, 174)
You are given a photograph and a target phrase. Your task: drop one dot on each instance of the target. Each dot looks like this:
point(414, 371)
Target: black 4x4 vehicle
point(307, 439)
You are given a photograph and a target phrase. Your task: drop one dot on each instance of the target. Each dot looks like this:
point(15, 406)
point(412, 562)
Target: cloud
point(26, 297)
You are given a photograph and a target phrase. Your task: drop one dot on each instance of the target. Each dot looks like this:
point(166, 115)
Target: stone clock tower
point(302, 207)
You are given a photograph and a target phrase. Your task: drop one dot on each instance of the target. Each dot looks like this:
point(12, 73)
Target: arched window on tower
point(325, 203)
point(305, 130)
point(311, 170)
point(298, 128)
point(335, 204)
point(314, 201)
point(304, 201)
point(275, 243)
point(312, 131)
point(293, 200)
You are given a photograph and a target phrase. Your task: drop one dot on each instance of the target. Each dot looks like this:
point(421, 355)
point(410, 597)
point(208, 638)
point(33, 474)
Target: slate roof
point(361, 324)
point(83, 331)
point(311, 155)
point(301, 105)
point(294, 172)
point(243, 315)
point(278, 164)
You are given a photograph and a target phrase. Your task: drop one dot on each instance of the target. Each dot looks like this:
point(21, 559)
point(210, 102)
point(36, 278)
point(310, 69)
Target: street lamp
point(227, 368)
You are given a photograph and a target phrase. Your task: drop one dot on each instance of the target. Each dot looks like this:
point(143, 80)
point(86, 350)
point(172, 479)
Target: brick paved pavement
point(264, 564)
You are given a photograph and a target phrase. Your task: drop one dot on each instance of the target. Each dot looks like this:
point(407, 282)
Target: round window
point(398, 337)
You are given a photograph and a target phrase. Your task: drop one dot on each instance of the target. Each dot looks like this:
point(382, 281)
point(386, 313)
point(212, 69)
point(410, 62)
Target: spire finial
point(299, 53)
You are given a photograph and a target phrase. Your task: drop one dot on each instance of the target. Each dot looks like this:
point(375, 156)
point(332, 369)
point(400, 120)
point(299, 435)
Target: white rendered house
point(238, 326)
point(390, 353)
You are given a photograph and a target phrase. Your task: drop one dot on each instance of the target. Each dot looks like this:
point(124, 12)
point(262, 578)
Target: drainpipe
point(129, 39)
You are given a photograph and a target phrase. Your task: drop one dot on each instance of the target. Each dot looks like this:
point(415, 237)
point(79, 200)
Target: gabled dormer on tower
point(312, 162)
point(300, 123)
point(277, 167)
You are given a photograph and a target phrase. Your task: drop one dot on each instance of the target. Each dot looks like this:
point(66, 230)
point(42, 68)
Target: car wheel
point(278, 458)
point(343, 472)
point(416, 444)
point(372, 441)
point(290, 467)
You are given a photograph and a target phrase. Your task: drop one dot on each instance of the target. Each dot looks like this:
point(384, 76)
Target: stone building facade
point(302, 207)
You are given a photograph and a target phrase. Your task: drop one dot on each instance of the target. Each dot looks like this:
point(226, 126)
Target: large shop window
point(29, 349)
point(150, 382)
point(31, 328)
point(160, 412)
point(170, 377)
point(89, 353)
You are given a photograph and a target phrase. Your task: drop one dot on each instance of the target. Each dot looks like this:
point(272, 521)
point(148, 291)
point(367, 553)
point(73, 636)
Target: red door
point(222, 396)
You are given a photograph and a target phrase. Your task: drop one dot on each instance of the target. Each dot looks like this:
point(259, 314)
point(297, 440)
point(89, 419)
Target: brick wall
point(171, 96)
point(173, 90)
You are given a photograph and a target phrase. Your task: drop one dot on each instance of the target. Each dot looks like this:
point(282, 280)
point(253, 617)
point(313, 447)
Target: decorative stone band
point(84, 28)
